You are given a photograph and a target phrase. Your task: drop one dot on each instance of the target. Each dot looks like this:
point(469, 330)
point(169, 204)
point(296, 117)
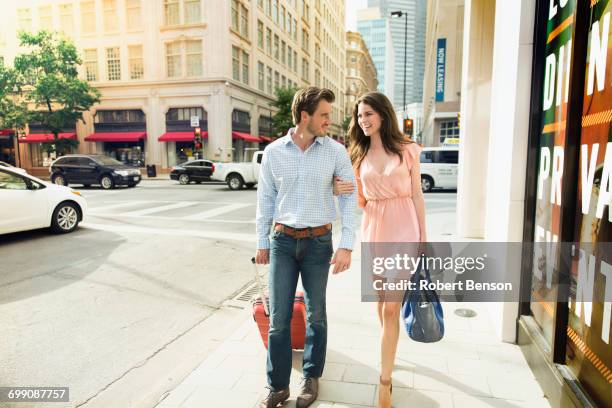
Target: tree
point(282, 119)
point(48, 76)
point(13, 109)
point(346, 123)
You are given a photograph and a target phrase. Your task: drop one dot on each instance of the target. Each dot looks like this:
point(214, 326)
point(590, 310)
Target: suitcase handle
point(260, 286)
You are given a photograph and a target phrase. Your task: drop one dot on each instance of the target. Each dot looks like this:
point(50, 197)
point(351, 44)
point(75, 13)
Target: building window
point(25, 19)
point(268, 8)
point(260, 77)
point(260, 34)
point(276, 80)
point(289, 57)
point(236, 63)
point(317, 77)
point(119, 116)
point(113, 64)
point(317, 52)
point(304, 69)
point(295, 61)
point(110, 16)
point(269, 80)
point(136, 63)
point(276, 47)
point(260, 4)
point(269, 41)
point(66, 19)
point(193, 12)
point(171, 12)
point(305, 39)
point(235, 15)
point(449, 128)
point(133, 14)
point(295, 29)
point(173, 59)
point(283, 52)
point(88, 17)
point(275, 11)
point(244, 22)
point(90, 60)
point(283, 14)
point(284, 81)
point(194, 58)
point(45, 18)
point(245, 67)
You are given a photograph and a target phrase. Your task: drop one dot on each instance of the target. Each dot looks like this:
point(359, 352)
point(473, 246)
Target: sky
point(350, 14)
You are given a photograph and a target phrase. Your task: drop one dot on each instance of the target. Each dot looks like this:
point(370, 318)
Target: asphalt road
point(148, 268)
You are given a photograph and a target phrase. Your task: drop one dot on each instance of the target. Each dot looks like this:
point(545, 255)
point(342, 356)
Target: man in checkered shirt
point(295, 198)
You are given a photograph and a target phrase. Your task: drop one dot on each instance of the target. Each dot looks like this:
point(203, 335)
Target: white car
point(439, 168)
point(11, 167)
point(30, 203)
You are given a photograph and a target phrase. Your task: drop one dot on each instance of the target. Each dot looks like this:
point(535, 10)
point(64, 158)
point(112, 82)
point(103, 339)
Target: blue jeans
point(288, 258)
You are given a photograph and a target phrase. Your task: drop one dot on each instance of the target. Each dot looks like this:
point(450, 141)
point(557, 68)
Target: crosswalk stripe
point(214, 212)
point(115, 206)
point(161, 208)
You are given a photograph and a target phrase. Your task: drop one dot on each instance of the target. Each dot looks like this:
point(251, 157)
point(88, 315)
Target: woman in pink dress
point(389, 191)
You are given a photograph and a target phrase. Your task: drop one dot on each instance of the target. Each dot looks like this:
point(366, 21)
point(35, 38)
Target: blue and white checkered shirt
point(295, 187)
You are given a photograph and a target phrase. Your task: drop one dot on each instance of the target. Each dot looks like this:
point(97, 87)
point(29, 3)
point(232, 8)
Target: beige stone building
point(361, 76)
point(160, 63)
point(442, 79)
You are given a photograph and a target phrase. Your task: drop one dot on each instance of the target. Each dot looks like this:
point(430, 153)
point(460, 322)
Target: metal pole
point(18, 159)
point(405, 60)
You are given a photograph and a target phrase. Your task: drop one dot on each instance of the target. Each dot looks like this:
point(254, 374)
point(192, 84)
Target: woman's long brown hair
point(393, 139)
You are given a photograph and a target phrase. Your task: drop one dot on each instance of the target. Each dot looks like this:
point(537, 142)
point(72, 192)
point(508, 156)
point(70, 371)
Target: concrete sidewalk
point(468, 368)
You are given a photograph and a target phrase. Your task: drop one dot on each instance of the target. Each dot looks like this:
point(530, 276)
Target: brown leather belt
point(299, 233)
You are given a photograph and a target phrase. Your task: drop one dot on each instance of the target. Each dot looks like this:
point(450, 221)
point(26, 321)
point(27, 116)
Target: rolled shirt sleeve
point(346, 202)
point(266, 199)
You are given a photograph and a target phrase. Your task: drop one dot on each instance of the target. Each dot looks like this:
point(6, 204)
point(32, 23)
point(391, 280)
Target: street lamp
point(401, 14)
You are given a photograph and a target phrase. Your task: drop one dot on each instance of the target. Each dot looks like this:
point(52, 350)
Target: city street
point(147, 270)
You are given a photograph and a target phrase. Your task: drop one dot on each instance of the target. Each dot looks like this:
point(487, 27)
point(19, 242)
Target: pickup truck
point(238, 175)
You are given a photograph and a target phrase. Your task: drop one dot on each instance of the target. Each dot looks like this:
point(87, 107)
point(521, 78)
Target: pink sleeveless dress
point(389, 214)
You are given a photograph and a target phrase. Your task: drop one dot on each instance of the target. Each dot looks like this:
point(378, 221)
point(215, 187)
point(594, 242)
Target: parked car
point(238, 175)
point(30, 203)
point(439, 167)
point(11, 167)
point(195, 170)
point(88, 169)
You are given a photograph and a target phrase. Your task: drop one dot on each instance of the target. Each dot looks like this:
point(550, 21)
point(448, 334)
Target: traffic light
point(408, 127)
point(197, 135)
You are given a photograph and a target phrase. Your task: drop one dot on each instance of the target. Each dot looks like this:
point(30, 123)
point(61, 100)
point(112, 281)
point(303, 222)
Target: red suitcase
point(261, 315)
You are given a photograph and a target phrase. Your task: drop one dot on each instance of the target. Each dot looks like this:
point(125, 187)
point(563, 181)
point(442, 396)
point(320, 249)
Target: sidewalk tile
point(333, 371)
point(473, 384)
point(470, 401)
point(210, 397)
point(348, 393)
point(411, 398)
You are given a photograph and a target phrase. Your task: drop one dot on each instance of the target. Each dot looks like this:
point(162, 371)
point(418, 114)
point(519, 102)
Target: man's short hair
point(307, 99)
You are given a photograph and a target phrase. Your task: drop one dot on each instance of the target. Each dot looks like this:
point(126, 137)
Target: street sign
point(195, 121)
point(451, 141)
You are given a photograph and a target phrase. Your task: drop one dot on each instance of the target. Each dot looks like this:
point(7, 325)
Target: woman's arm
point(417, 193)
point(361, 200)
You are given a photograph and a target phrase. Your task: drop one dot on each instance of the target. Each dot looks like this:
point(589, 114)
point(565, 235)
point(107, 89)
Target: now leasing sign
point(440, 69)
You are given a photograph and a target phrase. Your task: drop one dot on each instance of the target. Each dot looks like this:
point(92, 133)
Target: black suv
point(195, 170)
point(88, 169)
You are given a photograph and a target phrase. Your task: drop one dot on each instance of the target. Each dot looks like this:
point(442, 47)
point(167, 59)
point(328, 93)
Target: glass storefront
point(586, 336)
point(7, 149)
point(131, 153)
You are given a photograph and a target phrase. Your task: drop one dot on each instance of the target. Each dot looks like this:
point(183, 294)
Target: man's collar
point(291, 132)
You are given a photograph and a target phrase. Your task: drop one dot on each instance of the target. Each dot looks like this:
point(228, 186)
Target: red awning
point(180, 137)
point(265, 138)
point(116, 137)
point(246, 137)
point(45, 137)
point(6, 132)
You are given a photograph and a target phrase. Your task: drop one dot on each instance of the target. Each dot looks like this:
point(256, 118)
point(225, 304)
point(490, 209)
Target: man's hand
point(341, 260)
point(262, 256)
point(343, 187)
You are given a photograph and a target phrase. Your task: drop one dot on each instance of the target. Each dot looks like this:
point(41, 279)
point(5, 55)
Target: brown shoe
point(309, 390)
point(274, 398)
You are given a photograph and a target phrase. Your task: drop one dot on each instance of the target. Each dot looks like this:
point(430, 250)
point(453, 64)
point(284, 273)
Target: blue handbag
point(422, 311)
